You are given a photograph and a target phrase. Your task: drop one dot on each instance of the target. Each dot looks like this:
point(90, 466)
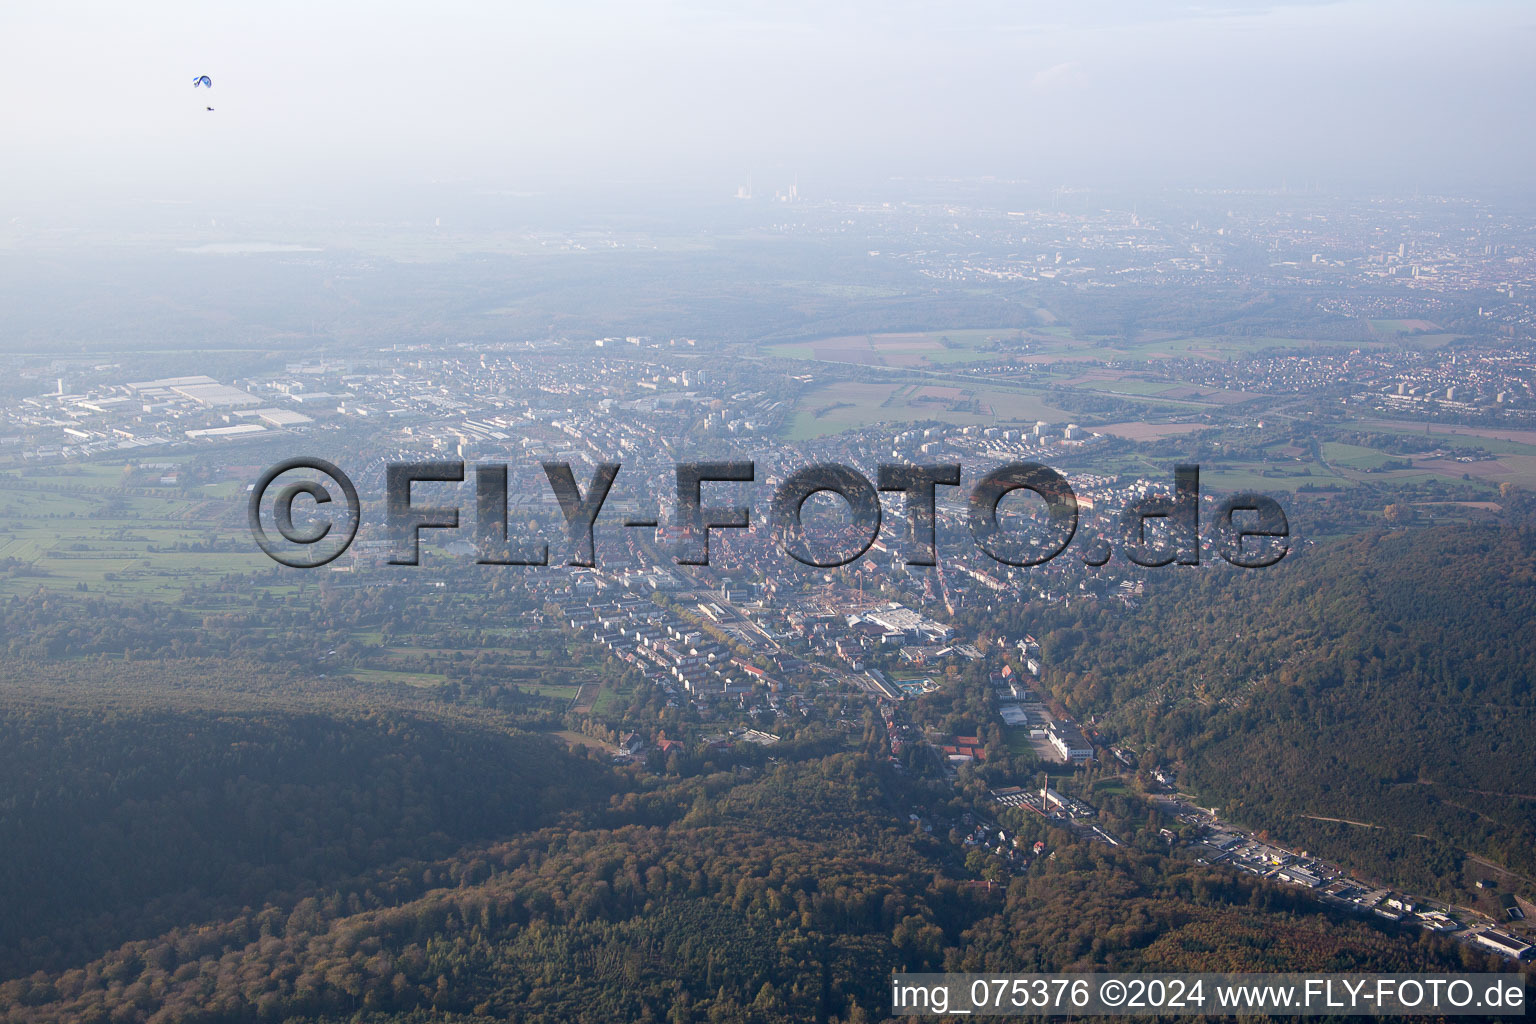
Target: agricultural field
point(847, 406)
point(1387, 327)
point(1122, 384)
point(1152, 346)
point(429, 659)
point(1508, 460)
point(82, 529)
point(1490, 439)
point(1260, 476)
point(1516, 469)
point(1356, 457)
point(1115, 384)
point(915, 349)
point(1416, 333)
point(919, 349)
point(1150, 431)
point(375, 675)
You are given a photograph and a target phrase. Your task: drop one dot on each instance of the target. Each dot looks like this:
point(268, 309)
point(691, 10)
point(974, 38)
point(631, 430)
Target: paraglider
point(202, 80)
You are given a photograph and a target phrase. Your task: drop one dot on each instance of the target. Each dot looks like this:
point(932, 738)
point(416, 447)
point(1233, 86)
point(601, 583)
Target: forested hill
point(1385, 679)
point(787, 895)
point(122, 815)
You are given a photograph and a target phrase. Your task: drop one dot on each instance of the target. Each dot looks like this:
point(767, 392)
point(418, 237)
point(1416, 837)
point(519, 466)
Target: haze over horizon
point(1356, 94)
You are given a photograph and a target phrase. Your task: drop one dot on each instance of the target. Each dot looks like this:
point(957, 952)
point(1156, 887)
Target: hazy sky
point(99, 97)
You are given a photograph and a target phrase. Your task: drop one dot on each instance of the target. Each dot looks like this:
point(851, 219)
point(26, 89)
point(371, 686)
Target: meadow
point(834, 408)
point(912, 349)
point(81, 528)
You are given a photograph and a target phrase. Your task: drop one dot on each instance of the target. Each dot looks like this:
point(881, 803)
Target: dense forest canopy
point(1385, 679)
point(787, 896)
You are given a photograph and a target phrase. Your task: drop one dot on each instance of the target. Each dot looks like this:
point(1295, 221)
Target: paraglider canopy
point(202, 80)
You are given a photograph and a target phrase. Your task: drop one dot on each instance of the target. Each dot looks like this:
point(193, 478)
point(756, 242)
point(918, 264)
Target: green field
point(913, 349)
point(1110, 787)
point(835, 408)
point(79, 526)
point(1466, 437)
point(609, 702)
point(550, 690)
point(1259, 476)
point(918, 349)
point(1223, 348)
point(1154, 345)
point(1018, 742)
point(377, 675)
point(1131, 387)
point(1353, 456)
point(1418, 333)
